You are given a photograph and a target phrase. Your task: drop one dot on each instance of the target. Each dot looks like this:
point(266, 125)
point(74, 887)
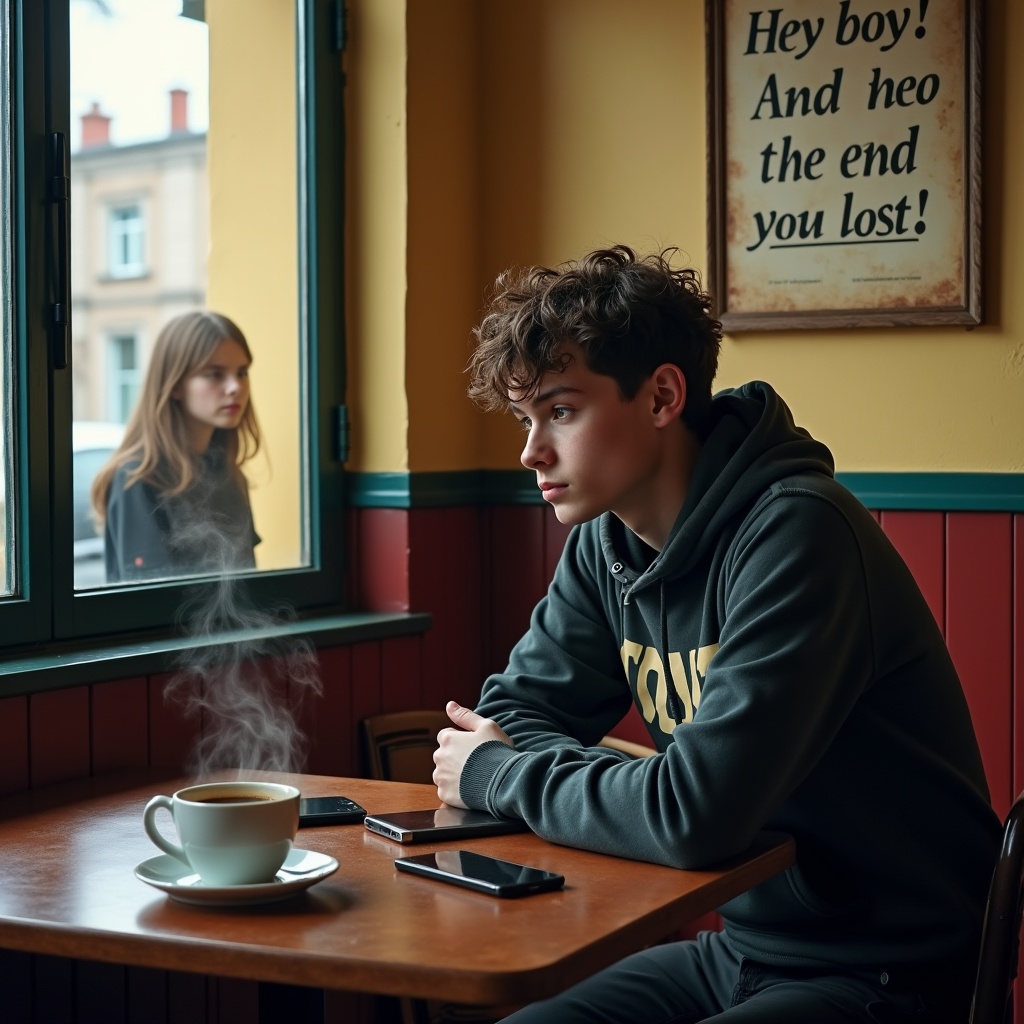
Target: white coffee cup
point(232, 833)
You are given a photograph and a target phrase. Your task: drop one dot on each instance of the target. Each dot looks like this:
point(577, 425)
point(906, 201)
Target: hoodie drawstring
point(672, 693)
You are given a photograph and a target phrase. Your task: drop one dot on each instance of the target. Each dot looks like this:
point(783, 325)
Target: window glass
point(7, 565)
point(184, 182)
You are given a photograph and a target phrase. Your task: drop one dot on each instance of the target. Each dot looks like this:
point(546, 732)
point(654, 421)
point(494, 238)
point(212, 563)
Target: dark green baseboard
point(943, 492)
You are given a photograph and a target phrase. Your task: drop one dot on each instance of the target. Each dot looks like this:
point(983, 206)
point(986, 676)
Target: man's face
point(592, 451)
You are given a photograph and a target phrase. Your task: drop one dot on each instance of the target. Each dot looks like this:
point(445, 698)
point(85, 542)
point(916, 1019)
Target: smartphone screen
point(482, 873)
point(328, 810)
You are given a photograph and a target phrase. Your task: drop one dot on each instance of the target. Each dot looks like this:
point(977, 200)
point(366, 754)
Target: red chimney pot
point(179, 111)
point(95, 128)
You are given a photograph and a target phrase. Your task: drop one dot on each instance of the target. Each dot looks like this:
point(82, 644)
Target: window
point(122, 377)
point(127, 242)
point(188, 190)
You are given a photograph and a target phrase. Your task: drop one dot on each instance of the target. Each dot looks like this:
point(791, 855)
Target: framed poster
point(844, 162)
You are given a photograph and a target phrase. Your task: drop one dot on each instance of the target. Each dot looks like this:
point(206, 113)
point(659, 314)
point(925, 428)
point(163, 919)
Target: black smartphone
point(329, 810)
point(484, 874)
point(437, 823)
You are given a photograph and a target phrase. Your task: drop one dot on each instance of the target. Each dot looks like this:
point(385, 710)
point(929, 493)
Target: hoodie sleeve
point(794, 655)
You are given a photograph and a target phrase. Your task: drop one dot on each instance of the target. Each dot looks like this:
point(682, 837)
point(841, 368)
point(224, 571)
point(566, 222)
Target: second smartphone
point(484, 874)
point(328, 810)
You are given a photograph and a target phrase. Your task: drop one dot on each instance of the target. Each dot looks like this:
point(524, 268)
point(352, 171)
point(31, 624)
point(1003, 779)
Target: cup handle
point(149, 822)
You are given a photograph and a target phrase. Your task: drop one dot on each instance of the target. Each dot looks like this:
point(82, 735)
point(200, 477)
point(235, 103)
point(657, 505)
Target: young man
point(791, 674)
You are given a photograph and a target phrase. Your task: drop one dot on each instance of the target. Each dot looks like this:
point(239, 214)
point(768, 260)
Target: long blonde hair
point(156, 437)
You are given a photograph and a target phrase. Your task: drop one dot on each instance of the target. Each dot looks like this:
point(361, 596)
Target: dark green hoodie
point(792, 678)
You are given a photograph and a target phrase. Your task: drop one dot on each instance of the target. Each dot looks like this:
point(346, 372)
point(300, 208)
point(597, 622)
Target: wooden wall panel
point(978, 625)
point(172, 734)
point(1018, 711)
point(366, 692)
point(147, 996)
point(555, 535)
point(382, 569)
point(120, 725)
point(516, 576)
point(920, 538)
point(327, 720)
point(187, 998)
point(53, 989)
point(446, 579)
point(16, 986)
point(235, 1000)
point(400, 673)
point(1018, 655)
point(58, 736)
point(14, 776)
point(100, 996)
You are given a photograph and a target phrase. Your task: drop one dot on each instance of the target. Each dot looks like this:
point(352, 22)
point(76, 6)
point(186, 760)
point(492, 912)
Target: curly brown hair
point(629, 314)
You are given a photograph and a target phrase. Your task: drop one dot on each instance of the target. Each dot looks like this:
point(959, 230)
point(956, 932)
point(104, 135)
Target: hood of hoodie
point(752, 443)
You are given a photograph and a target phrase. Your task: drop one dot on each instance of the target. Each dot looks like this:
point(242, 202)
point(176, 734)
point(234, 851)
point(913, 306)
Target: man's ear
point(668, 389)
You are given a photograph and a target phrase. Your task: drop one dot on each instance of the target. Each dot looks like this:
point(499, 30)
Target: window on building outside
point(127, 242)
point(122, 376)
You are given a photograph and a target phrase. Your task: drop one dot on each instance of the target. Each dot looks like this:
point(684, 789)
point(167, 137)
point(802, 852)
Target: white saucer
point(301, 869)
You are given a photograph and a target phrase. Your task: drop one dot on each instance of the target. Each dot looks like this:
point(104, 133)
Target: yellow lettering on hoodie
point(688, 684)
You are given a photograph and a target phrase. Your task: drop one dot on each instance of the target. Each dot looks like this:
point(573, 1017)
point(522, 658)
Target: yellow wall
point(534, 130)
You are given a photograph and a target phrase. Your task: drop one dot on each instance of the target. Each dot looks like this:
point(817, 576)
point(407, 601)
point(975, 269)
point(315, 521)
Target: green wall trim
point(943, 492)
point(946, 492)
point(432, 490)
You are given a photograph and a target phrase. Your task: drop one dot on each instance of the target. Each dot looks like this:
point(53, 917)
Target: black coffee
point(231, 799)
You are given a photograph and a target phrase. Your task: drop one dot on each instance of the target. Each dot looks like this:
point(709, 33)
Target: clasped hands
point(454, 746)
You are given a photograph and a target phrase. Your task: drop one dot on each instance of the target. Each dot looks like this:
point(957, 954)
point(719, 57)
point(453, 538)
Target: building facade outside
point(140, 242)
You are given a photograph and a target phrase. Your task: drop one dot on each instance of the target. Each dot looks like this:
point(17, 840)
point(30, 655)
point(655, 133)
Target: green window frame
point(45, 613)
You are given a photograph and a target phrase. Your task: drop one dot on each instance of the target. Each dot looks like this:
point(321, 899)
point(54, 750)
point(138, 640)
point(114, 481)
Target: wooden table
point(67, 888)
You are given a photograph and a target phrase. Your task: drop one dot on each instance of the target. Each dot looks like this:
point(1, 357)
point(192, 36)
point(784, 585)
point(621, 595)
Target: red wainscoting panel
point(326, 720)
point(120, 725)
point(147, 995)
point(187, 998)
point(53, 989)
point(366, 691)
point(978, 633)
point(446, 580)
point(16, 985)
point(13, 745)
point(172, 735)
point(555, 534)
point(382, 565)
point(1018, 710)
point(235, 1000)
point(400, 665)
point(95, 983)
point(58, 736)
point(516, 576)
point(920, 538)
point(1018, 654)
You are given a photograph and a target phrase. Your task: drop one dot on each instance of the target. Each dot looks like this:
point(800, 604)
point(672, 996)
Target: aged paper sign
point(844, 164)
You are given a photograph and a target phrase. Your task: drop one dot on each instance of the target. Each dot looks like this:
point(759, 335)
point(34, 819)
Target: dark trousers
point(705, 980)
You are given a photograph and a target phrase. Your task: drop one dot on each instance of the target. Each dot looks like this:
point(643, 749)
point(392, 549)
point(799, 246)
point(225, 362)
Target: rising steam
point(248, 686)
